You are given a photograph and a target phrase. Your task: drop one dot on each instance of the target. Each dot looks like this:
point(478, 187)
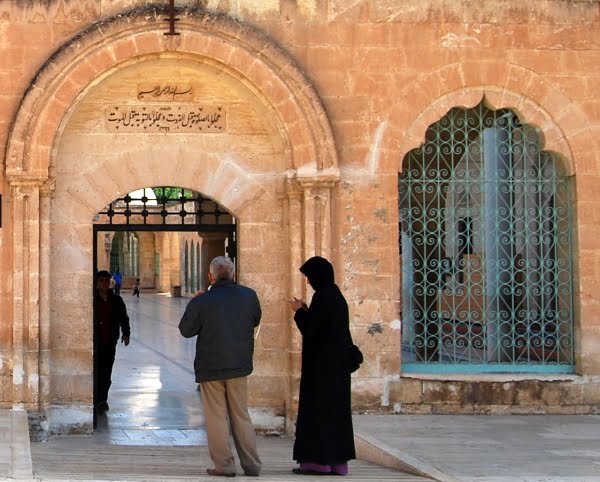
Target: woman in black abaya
point(324, 434)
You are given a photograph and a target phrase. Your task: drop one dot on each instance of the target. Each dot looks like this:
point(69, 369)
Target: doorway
point(163, 238)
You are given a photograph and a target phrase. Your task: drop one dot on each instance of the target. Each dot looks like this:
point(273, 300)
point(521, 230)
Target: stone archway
point(57, 190)
point(107, 46)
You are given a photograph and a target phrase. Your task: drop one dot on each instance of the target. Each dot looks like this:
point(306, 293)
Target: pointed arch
point(486, 217)
point(505, 85)
point(186, 269)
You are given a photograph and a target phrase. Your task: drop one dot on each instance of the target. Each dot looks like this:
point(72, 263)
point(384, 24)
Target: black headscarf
point(319, 272)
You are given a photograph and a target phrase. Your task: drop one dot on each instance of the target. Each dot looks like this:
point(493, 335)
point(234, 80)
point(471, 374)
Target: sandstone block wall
point(318, 171)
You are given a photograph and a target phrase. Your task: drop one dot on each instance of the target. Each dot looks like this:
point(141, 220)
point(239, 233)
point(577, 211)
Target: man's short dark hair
point(103, 274)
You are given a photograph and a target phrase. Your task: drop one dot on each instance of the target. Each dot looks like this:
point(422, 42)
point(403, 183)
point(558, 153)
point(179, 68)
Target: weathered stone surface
point(407, 391)
point(335, 93)
point(526, 396)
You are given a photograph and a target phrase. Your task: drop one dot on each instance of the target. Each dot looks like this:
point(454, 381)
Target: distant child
point(136, 288)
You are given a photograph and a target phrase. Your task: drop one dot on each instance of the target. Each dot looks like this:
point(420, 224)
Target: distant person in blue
point(118, 277)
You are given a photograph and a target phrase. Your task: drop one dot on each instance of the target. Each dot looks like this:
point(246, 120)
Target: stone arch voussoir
point(512, 86)
point(230, 185)
point(139, 34)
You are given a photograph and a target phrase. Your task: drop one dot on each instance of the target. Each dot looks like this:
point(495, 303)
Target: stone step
point(82, 458)
point(15, 454)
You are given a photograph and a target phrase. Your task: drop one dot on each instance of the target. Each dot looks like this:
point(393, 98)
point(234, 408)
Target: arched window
point(124, 254)
point(486, 246)
point(186, 268)
point(193, 287)
point(198, 266)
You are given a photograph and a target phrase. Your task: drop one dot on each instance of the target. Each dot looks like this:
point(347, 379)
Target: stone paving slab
point(532, 448)
point(15, 454)
point(501, 448)
point(85, 458)
point(447, 448)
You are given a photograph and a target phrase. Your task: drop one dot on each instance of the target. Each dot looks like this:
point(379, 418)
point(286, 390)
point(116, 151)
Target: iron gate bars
point(486, 246)
point(164, 205)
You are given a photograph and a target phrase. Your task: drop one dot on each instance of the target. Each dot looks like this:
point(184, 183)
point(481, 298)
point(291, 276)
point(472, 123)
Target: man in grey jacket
point(223, 319)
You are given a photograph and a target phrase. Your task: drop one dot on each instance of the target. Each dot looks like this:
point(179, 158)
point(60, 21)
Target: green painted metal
point(486, 246)
point(458, 368)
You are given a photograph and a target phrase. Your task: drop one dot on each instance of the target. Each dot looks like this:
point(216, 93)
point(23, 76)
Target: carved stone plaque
point(180, 119)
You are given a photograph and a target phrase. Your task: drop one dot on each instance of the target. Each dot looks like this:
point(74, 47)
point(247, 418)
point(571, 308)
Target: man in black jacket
point(110, 318)
point(223, 318)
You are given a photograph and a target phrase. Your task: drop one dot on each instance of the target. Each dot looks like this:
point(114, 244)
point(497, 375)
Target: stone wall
point(325, 99)
point(497, 395)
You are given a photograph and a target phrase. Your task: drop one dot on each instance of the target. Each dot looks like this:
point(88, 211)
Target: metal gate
point(160, 209)
point(486, 248)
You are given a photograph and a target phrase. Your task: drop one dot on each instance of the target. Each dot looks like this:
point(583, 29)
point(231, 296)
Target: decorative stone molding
point(309, 212)
point(25, 195)
point(528, 93)
point(131, 37)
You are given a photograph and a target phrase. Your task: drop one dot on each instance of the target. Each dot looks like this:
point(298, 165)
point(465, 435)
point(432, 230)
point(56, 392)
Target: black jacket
point(324, 432)
point(119, 320)
point(224, 319)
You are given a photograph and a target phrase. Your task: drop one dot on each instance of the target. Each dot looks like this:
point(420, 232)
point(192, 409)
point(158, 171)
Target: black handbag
point(355, 358)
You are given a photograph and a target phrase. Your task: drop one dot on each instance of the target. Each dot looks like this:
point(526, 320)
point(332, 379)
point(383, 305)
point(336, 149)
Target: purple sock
point(341, 469)
point(315, 467)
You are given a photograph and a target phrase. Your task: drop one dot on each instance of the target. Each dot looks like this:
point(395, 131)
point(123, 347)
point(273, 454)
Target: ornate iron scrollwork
point(486, 222)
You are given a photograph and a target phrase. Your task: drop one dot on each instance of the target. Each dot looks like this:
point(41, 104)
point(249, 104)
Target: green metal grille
point(486, 248)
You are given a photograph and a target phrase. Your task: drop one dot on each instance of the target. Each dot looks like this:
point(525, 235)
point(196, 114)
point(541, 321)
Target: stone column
point(213, 245)
point(309, 221)
point(297, 288)
point(175, 263)
point(46, 192)
point(317, 216)
point(322, 206)
point(25, 195)
point(295, 237)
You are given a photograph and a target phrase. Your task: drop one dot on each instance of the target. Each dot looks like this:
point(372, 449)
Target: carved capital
point(26, 181)
point(47, 189)
point(317, 182)
point(293, 188)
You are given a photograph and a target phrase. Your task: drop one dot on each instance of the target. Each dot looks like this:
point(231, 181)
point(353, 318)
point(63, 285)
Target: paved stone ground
point(155, 430)
point(83, 458)
point(504, 448)
point(149, 454)
point(15, 459)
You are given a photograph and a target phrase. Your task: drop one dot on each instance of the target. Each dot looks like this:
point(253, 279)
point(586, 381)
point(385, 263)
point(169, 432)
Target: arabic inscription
point(164, 93)
point(179, 119)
